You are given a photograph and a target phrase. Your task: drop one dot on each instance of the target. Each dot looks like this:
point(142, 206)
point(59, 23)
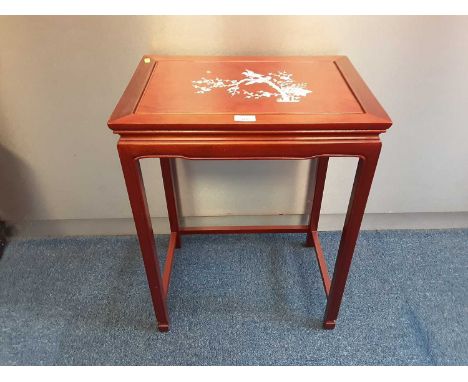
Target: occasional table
point(247, 108)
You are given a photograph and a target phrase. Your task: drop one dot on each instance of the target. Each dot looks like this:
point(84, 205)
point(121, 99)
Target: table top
point(245, 93)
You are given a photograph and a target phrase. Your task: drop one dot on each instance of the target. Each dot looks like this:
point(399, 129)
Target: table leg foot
point(329, 325)
point(163, 328)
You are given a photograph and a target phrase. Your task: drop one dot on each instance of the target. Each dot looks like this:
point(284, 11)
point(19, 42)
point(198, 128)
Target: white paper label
point(244, 118)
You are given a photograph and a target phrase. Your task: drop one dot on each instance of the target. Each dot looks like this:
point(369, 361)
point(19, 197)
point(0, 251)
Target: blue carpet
point(237, 300)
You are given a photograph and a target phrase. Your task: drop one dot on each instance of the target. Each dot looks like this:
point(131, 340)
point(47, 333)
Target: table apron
point(246, 150)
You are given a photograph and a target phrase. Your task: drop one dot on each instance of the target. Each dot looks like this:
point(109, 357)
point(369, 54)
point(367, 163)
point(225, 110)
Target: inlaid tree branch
point(282, 85)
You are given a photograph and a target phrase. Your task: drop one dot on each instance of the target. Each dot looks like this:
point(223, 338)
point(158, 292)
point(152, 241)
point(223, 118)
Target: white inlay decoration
point(282, 85)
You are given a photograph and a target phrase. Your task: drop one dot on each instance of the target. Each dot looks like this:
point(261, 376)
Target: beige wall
point(60, 78)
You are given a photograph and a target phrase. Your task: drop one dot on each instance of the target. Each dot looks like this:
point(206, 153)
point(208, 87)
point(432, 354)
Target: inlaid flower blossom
point(283, 88)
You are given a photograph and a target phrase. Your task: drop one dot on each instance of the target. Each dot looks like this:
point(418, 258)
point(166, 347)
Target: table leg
point(167, 175)
point(136, 193)
point(361, 187)
point(320, 175)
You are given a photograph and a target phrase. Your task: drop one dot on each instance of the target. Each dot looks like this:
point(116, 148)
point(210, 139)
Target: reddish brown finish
point(321, 262)
point(160, 98)
point(168, 265)
point(357, 204)
point(160, 116)
point(320, 176)
point(130, 98)
point(245, 229)
point(136, 193)
point(166, 170)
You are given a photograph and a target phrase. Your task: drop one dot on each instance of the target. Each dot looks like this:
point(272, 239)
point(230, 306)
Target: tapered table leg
point(320, 175)
point(167, 174)
point(357, 204)
point(136, 193)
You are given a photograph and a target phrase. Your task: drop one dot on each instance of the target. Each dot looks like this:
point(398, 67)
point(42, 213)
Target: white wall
point(60, 78)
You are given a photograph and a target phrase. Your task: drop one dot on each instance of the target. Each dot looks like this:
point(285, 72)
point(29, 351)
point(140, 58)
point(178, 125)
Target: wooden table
point(247, 108)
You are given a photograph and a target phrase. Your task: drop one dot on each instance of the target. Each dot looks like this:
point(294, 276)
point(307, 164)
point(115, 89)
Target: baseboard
point(330, 222)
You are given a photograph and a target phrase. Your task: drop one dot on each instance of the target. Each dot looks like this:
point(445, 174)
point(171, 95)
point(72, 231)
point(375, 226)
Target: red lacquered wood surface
point(339, 98)
point(166, 171)
point(303, 108)
point(320, 176)
point(170, 89)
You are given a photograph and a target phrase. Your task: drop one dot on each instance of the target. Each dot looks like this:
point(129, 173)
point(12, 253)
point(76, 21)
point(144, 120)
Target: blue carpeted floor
point(236, 299)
